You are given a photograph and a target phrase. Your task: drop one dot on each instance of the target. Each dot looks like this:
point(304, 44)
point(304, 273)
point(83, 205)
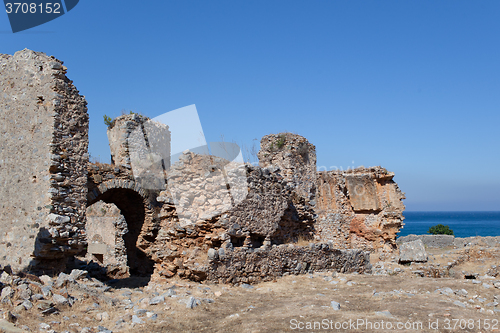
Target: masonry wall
point(250, 266)
point(337, 215)
point(43, 157)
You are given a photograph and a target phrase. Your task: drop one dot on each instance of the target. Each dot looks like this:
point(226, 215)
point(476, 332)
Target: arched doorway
point(134, 209)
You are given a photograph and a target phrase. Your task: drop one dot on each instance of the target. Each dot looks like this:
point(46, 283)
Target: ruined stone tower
point(43, 160)
point(143, 146)
point(295, 157)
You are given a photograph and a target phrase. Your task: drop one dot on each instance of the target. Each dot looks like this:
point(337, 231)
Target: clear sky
point(411, 85)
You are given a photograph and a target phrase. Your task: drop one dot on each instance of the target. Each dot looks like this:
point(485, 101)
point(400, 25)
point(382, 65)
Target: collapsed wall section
point(43, 157)
point(264, 219)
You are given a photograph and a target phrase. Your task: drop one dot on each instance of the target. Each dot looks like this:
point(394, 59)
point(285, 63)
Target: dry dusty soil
point(395, 298)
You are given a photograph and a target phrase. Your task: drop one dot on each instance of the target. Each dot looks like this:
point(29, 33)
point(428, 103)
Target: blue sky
point(413, 86)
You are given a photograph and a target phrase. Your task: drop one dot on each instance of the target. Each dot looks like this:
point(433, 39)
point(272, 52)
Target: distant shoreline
point(463, 223)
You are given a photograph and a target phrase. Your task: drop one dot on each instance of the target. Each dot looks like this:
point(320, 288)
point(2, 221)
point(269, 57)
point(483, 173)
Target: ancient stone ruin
point(202, 218)
point(43, 161)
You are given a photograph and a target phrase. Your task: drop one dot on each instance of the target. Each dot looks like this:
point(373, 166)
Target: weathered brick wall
point(43, 157)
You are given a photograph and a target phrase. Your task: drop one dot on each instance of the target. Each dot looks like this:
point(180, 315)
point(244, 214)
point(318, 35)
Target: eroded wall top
point(141, 145)
point(295, 157)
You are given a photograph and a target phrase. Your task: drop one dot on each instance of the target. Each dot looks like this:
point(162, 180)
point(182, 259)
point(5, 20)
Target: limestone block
point(413, 251)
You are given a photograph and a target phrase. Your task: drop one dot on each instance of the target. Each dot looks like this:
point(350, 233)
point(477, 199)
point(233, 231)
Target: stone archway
point(133, 203)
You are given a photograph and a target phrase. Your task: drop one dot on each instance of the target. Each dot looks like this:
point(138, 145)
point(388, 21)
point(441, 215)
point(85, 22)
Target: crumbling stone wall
point(180, 246)
point(252, 266)
point(334, 210)
point(360, 208)
point(203, 218)
point(353, 209)
point(203, 186)
point(116, 185)
point(266, 218)
point(295, 157)
point(43, 157)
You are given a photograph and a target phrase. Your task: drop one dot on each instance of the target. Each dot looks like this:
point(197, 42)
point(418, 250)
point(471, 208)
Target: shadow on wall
point(131, 205)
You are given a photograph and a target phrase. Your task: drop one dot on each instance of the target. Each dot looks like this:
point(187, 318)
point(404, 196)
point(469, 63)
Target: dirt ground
point(395, 298)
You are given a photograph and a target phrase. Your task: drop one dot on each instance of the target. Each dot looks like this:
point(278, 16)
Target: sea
point(463, 224)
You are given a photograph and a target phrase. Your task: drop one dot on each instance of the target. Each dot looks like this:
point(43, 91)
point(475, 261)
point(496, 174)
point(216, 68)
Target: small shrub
point(281, 141)
point(302, 148)
point(440, 230)
point(108, 121)
point(300, 240)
